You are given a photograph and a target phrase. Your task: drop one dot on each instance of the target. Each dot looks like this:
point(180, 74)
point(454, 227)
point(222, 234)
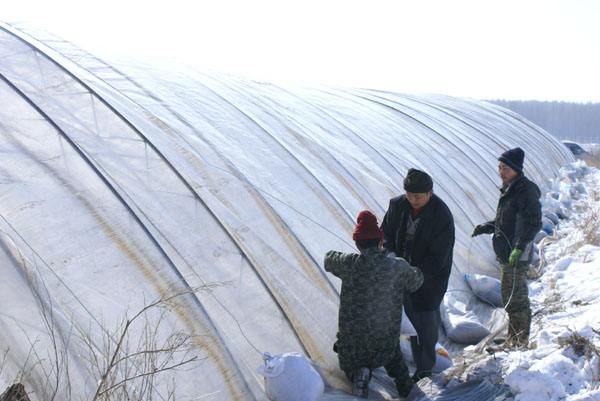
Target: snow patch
point(591, 396)
point(562, 369)
point(534, 386)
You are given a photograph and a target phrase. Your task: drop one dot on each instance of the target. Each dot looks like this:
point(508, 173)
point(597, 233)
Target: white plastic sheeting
point(121, 183)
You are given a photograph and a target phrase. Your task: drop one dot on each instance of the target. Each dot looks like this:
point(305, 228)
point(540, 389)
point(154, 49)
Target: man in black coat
point(419, 227)
point(518, 220)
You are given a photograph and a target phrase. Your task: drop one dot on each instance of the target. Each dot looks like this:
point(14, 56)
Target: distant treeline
point(579, 122)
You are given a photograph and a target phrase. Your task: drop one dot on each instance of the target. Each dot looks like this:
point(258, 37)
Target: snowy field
point(563, 360)
point(593, 158)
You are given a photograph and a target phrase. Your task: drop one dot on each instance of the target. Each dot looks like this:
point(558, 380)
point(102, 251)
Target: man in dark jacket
point(419, 227)
point(518, 220)
point(373, 285)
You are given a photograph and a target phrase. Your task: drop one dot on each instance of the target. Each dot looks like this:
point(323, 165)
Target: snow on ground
point(564, 360)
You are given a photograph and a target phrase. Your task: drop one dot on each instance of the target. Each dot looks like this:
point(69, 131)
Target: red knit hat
point(366, 227)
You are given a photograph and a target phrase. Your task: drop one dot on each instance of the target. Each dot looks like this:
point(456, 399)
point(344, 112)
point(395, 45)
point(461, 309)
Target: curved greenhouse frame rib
point(123, 183)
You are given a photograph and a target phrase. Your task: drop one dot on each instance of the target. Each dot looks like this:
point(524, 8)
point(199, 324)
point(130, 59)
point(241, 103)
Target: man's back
point(373, 285)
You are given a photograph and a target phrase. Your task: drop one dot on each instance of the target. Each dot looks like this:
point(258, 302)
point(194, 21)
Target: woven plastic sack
point(290, 377)
point(462, 325)
point(486, 288)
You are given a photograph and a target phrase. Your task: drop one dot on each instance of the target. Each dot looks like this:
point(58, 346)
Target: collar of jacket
point(374, 250)
point(427, 210)
point(505, 189)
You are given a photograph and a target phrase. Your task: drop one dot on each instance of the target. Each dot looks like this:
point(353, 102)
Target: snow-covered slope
point(566, 361)
point(124, 183)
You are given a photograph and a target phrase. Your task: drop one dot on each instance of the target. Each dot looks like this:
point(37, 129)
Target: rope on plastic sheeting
point(62, 282)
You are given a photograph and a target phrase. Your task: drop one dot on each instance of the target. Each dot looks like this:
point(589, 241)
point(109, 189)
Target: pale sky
point(511, 49)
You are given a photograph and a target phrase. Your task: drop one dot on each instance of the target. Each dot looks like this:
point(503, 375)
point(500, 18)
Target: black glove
point(485, 228)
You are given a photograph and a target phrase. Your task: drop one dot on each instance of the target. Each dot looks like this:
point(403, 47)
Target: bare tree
point(124, 362)
point(127, 369)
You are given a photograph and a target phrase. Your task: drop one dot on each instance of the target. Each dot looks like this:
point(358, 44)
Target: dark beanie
point(417, 181)
point(514, 159)
point(366, 227)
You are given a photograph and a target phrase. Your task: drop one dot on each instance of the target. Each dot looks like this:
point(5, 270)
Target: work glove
point(513, 259)
point(480, 229)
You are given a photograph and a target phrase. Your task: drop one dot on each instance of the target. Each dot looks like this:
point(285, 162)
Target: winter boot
point(518, 332)
point(360, 382)
point(521, 338)
point(404, 386)
point(512, 332)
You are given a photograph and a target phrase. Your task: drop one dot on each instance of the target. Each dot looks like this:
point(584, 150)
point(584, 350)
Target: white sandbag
point(565, 199)
point(461, 326)
point(564, 213)
point(535, 259)
point(547, 225)
point(539, 236)
point(442, 357)
point(406, 326)
point(563, 263)
point(406, 349)
point(552, 216)
point(551, 203)
point(291, 377)
point(486, 288)
point(465, 329)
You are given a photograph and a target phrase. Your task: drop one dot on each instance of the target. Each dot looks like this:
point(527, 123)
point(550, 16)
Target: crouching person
point(373, 286)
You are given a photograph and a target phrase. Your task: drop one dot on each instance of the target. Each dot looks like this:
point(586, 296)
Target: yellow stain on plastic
point(213, 348)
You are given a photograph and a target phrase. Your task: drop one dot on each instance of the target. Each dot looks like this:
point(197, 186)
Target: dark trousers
point(427, 326)
point(395, 368)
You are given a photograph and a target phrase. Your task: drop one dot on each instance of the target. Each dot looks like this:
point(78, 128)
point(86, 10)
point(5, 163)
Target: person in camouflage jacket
point(370, 312)
point(518, 220)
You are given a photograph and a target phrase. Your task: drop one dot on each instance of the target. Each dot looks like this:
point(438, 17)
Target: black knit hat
point(514, 159)
point(417, 181)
